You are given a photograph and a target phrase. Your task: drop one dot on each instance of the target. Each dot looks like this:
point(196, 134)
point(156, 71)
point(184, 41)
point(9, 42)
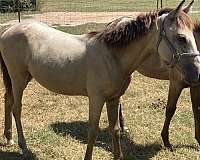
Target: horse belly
point(63, 81)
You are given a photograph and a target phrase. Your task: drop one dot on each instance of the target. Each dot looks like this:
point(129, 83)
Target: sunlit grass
point(56, 125)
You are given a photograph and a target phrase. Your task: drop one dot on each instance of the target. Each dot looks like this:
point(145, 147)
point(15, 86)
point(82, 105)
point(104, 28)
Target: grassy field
point(55, 126)
point(111, 5)
point(100, 6)
point(104, 5)
point(81, 29)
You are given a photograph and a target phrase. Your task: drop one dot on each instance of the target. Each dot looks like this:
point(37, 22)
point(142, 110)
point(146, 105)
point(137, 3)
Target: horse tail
point(4, 70)
point(6, 76)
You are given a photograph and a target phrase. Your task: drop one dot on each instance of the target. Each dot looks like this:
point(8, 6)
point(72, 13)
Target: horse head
point(176, 45)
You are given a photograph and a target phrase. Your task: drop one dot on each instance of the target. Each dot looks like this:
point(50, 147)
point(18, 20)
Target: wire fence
point(75, 12)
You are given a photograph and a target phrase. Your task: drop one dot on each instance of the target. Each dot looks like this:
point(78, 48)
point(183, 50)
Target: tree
point(17, 5)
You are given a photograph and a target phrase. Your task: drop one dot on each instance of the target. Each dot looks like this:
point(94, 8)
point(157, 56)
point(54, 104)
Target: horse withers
point(97, 66)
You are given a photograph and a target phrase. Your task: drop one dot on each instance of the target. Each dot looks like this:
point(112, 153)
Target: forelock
point(184, 21)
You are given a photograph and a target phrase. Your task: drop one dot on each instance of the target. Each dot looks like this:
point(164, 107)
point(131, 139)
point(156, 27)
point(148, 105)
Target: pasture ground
point(55, 126)
point(65, 11)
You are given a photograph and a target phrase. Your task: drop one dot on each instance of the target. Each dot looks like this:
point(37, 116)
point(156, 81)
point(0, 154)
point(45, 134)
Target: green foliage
point(15, 5)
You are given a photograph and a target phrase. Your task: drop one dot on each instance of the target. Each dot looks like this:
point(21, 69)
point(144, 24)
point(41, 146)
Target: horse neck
point(197, 39)
point(137, 51)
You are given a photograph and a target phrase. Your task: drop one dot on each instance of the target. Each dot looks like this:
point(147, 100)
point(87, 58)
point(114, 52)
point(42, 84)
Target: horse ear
point(188, 7)
point(177, 11)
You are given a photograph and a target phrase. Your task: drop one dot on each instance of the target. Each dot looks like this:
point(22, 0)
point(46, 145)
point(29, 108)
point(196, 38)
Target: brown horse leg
point(114, 126)
point(175, 89)
point(121, 118)
point(8, 117)
point(95, 107)
point(195, 97)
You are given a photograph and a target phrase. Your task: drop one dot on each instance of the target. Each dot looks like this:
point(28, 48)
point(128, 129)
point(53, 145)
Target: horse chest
point(121, 88)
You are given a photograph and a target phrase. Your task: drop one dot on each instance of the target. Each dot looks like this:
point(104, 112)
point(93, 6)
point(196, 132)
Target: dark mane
point(119, 34)
point(92, 34)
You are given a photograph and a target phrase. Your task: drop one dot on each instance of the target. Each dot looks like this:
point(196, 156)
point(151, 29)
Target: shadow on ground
point(131, 150)
point(6, 155)
point(9, 155)
point(178, 146)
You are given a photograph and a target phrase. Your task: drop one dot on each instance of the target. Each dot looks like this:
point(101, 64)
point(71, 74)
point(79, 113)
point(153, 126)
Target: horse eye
point(182, 39)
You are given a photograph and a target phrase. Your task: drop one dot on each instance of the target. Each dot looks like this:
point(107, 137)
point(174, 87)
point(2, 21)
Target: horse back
point(55, 59)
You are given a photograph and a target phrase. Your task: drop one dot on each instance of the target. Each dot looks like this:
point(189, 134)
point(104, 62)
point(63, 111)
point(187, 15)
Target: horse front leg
point(114, 126)
point(96, 103)
point(121, 118)
point(175, 89)
point(195, 98)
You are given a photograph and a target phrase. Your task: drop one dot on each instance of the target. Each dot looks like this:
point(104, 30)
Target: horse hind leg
point(18, 86)
point(14, 89)
point(8, 116)
point(8, 96)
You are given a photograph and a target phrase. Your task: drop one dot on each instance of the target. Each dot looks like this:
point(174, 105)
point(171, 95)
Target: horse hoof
point(10, 142)
point(169, 147)
point(119, 158)
point(126, 129)
point(26, 155)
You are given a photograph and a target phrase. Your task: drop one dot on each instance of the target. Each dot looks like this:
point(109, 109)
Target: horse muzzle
point(188, 65)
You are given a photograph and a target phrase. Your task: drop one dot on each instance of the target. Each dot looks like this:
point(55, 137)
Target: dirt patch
point(75, 18)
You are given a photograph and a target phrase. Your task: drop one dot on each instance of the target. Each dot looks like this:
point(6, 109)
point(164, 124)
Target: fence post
point(18, 10)
point(157, 4)
point(161, 4)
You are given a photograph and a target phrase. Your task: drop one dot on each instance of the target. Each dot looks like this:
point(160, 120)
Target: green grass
point(98, 6)
point(104, 5)
point(95, 5)
point(81, 29)
point(7, 17)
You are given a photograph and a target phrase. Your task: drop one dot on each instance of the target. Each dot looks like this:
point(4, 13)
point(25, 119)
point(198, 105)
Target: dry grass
point(56, 126)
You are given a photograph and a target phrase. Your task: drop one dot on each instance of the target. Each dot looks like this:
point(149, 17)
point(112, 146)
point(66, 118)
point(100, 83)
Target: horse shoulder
point(104, 70)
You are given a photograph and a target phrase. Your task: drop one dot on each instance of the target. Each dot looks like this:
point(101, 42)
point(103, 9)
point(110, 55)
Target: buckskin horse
point(98, 66)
